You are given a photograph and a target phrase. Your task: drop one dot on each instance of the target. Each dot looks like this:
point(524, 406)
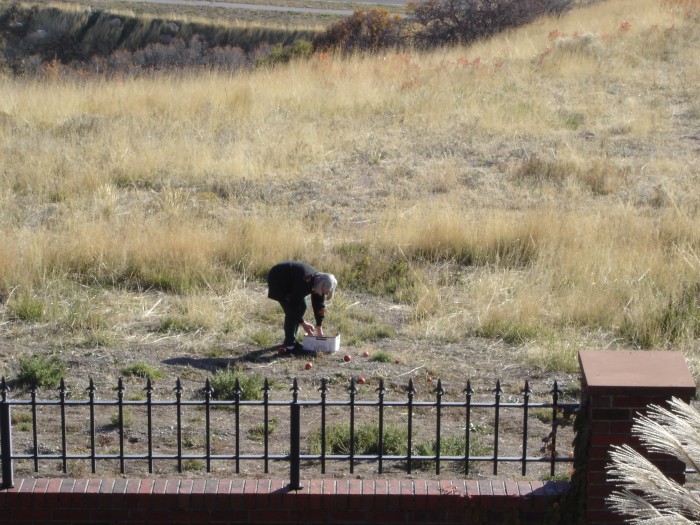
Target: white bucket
point(316, 343)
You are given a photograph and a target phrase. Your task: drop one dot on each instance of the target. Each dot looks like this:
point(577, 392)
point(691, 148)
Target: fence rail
point(460, 414)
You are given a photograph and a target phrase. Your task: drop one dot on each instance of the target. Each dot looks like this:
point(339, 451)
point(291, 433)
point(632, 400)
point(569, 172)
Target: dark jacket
point(290, 282)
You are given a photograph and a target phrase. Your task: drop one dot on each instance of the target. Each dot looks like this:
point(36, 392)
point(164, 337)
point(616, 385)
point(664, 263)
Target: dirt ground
point(482, 361)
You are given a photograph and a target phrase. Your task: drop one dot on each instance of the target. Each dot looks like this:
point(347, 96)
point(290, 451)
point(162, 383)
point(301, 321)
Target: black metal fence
point(75, 430)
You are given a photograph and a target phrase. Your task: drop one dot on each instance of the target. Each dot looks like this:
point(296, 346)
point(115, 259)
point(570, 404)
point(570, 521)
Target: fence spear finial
point(381, 390)
point(555, 390)
point(208, 390)
point(439, 391)
point(91, 389)
point(498, 391)
point(178, 387)
point(468, 390)
point(324, 387)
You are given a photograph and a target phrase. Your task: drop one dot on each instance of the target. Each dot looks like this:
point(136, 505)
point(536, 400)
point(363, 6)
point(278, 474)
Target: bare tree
point(648, 496)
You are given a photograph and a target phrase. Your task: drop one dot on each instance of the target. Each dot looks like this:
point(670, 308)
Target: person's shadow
point(212, 364)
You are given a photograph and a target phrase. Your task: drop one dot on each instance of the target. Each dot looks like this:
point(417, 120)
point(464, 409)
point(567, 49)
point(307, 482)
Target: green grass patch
point(382, 357)
point(21, 417)
point(143, 370)
point(127, 418)
point(366, 268)
point(193, 465)
point(511, 332)
point(223, 382)
point(358, 326)
point(216, 353)
point(395, 440)
point(257, 432)
point(180, 324)
point(27, 309)
point(41, 371)
point(263, 339)
point(542, 414)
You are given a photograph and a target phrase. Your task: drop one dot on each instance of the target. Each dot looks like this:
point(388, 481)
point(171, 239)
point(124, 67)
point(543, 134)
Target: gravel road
point(258, 7)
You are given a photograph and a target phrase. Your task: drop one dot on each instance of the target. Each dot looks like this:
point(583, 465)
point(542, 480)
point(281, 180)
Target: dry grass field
point(488, 210)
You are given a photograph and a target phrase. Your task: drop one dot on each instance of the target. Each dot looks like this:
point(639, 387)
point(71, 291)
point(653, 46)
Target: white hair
point(325, 280)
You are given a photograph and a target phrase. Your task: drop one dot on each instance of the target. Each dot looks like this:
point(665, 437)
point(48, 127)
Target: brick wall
point(616, 387)
point(199, 501)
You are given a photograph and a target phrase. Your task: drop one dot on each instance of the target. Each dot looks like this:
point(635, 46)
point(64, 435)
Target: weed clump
point(143, 370)
point(382, 357)
point(225, 383)
point(40, 371)
point(394, 440)
point(27, 309)
point(450, 446)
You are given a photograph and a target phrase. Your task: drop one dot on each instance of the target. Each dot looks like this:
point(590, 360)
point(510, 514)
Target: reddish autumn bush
point(362, 31)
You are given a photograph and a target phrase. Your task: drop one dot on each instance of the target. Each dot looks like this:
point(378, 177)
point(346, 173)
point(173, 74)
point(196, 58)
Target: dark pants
point(293, 313)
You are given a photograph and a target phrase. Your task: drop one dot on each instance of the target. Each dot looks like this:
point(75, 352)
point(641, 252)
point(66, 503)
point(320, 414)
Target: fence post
point(6, 439)
point(294, 438)
point(616, 387)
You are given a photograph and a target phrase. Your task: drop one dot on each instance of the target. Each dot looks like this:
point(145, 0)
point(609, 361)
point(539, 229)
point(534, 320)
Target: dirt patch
point(391, 361)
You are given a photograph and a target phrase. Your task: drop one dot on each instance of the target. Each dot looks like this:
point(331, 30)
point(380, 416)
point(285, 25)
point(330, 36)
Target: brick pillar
point(616, 386)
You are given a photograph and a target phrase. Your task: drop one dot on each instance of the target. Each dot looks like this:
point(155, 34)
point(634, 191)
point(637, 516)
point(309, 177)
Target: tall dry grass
point(540, 186)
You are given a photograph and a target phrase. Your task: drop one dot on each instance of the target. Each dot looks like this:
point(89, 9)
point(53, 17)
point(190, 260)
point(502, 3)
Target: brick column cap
point(630, 371)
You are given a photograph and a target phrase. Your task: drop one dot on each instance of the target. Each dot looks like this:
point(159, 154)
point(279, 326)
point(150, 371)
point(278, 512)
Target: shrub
point(371, 30)
point(41, 371)
point(224, 384)
point(283, 54)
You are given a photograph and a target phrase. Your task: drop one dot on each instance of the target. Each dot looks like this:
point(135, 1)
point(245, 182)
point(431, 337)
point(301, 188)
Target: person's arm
point(318, 305)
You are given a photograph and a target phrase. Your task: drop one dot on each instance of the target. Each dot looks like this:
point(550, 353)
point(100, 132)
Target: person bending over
point(289, 283)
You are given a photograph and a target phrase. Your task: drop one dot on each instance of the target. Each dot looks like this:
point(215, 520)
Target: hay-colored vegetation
point(540, 187)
